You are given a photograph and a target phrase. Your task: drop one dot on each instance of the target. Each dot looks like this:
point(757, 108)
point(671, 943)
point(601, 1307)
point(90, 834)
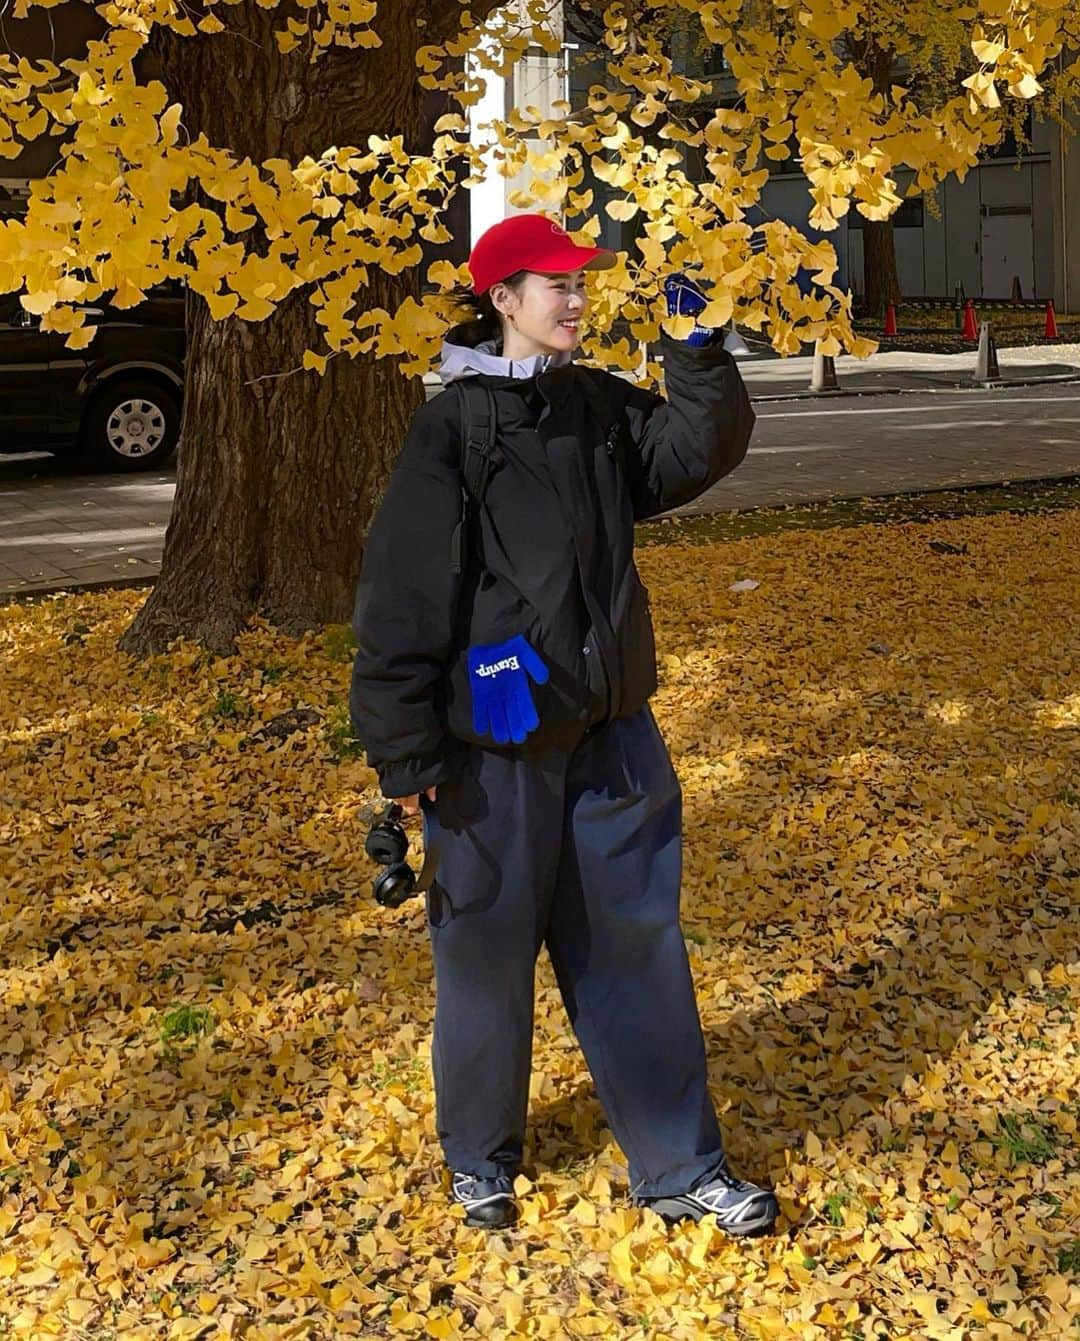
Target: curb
point(22, 596)
point(1004, 384)
point(983, 486)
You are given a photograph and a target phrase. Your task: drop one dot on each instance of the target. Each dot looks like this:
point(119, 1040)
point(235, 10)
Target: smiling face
point(542, 314)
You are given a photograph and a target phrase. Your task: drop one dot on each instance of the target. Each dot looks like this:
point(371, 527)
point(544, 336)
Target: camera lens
point(394, 886)
point(386, 844)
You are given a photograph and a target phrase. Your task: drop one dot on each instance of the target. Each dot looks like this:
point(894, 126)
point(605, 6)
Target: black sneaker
point(740, 1208)
point(489, 1202)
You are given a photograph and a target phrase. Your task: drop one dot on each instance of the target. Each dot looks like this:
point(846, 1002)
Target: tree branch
point(443, 18)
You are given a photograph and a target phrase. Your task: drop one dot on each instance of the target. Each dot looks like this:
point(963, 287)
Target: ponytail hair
point(478, 317)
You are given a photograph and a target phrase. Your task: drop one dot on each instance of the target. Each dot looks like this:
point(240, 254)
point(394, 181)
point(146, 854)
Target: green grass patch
point(339, 642)
point(835, 1206)
point(1068, 1258)
point(183, 1023)
point(339, 734)
point(1023, 1139)
point(229, 706)
point(1034, 496)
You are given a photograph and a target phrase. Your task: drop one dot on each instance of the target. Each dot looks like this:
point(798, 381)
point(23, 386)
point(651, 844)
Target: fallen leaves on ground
point(216, 1115)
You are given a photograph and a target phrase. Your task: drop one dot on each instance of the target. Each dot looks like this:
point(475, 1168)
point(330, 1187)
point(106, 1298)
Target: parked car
point(115, 404)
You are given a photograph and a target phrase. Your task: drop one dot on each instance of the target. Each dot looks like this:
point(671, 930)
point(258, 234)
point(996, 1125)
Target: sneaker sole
point(508, 1208)
point(511, 1218)
point(680, 1208)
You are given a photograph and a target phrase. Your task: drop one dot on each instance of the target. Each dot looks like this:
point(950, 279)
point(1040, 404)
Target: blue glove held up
point(501, 699)
point(685, 299)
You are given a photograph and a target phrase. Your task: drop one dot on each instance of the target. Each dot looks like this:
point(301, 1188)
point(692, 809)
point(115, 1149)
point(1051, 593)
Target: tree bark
point(278, 475)
point(881, 281)
point(276, 481)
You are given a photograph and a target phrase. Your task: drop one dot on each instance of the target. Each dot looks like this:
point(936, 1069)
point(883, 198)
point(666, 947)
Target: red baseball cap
point(530, 242)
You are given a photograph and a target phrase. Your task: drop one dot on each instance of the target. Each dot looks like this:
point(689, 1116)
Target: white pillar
point(487, 201)
point(539, 80)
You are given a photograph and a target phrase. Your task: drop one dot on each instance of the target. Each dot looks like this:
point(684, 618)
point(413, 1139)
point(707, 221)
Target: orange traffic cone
point(971, 325)
point(890, 320)
point(1051, 321)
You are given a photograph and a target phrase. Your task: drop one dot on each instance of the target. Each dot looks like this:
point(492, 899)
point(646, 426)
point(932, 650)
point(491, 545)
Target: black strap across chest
point(479, 457)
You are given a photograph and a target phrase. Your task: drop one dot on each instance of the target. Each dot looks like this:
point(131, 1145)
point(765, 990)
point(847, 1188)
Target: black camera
point(387, 843)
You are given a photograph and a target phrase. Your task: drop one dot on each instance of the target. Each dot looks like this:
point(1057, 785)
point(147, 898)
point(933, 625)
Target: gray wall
point(1007, 217)
point(1004, 207)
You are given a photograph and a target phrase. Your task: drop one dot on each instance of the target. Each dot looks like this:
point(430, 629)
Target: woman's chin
point(564, 340)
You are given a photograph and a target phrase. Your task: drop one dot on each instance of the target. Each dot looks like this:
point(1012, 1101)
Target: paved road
point(806, 451)
point(61, 530)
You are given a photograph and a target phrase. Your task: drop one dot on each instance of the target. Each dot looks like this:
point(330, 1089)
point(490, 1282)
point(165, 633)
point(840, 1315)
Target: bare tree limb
point(443, 18)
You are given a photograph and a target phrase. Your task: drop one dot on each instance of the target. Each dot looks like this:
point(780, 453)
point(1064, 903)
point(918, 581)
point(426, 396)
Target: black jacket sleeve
point(694, 435)
point(406, 600)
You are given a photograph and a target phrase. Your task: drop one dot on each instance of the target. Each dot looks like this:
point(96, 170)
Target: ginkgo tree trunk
point(279, 470)
point(877, 62)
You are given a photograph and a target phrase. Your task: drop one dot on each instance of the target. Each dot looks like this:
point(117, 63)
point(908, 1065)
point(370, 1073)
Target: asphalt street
point(810, 450)
point(60, 530)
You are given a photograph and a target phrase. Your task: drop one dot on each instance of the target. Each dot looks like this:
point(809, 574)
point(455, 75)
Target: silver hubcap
point(136, 427)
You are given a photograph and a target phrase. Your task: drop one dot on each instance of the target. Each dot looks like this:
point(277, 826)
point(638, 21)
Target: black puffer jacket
point(586, 454)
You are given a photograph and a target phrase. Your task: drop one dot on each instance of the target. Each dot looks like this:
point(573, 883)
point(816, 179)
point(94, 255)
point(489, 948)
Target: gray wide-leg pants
point(581, 851)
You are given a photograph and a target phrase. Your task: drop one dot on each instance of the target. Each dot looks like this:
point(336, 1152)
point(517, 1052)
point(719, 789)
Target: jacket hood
point(461, 360)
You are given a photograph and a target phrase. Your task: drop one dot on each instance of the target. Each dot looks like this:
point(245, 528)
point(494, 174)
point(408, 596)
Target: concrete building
point(1016, 216)
point(539, 80)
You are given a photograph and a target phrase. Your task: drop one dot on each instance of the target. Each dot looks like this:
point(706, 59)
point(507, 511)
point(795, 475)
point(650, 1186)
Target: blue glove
point(685, 299)
point(501, 698)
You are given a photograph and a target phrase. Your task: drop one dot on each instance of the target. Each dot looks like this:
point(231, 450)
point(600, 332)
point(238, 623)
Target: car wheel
point(131, 425)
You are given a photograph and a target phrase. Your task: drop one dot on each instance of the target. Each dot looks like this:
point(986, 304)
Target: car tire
point(131, 424)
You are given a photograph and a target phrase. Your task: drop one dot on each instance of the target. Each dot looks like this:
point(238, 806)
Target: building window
point(1012, 145)
point(908, 215)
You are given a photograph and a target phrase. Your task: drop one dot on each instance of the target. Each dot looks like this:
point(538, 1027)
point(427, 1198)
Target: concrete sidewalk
point(893, 371)
point(65, 532)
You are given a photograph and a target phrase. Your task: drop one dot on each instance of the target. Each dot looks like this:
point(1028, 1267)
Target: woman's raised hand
point(686, 299)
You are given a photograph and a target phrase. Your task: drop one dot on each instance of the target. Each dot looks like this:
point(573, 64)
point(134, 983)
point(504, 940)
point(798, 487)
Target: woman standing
point(505, 661)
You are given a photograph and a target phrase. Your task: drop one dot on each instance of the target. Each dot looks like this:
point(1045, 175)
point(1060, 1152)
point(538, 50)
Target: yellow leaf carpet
point(216, 1115)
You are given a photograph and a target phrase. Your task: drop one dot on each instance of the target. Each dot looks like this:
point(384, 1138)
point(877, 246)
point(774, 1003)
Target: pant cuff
point(483, 1168)
point(680, 1179)
point(460, 1161)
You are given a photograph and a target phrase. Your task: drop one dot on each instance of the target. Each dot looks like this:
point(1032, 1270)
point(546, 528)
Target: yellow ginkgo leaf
point(986, 52)
point(622, 210)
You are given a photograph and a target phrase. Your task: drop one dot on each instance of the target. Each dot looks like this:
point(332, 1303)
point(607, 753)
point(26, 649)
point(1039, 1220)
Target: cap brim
point(564, 260)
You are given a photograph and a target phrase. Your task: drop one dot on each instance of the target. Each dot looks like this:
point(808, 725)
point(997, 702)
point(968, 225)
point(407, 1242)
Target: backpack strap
point(479, 457)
